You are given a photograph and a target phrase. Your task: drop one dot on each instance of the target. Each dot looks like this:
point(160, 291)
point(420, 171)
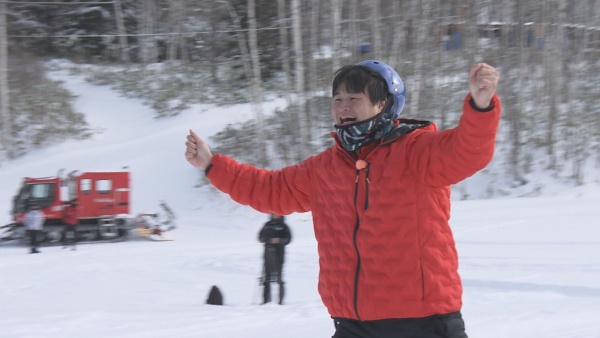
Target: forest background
point(176, 53)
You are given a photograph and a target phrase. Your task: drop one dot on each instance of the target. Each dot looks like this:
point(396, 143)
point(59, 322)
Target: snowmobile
point(104, 208)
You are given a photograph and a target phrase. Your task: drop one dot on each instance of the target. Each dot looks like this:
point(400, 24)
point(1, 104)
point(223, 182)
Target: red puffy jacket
point(71, 214)
point(386, 249)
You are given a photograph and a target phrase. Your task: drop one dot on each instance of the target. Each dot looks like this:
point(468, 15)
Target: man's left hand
point(483, 81)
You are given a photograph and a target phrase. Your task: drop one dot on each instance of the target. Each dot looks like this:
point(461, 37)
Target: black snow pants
point(33, 240)
point(449, 325)
point(70, 235)
point(273, 272)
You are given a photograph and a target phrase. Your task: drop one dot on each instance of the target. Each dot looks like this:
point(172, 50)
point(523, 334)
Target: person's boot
point(281, 293)
point(267, 293)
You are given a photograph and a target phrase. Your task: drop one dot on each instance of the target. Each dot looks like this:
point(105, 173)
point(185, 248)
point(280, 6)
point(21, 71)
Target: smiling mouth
point(347, 120)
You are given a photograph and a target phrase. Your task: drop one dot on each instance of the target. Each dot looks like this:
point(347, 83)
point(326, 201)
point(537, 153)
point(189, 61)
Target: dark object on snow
point(215, 297)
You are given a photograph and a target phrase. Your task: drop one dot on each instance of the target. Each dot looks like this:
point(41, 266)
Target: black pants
point(70, 235)
point(273, 273)
point(33, 239)
point(273, 264)
point(438, 326)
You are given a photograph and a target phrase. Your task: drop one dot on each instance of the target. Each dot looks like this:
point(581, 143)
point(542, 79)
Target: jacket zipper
point(359, 165)
point(356, 226)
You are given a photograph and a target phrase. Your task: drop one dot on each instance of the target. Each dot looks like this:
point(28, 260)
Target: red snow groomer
point(104, 207)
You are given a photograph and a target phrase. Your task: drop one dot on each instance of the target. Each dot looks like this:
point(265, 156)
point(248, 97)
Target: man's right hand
point(197, 152)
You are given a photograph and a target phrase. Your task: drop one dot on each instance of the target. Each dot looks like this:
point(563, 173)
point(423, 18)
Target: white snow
point(530, 266)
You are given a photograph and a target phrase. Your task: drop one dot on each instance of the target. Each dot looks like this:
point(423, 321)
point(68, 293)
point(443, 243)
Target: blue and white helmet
point(394, 84)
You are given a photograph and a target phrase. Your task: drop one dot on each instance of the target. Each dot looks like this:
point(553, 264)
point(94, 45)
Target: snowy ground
point(531, 267)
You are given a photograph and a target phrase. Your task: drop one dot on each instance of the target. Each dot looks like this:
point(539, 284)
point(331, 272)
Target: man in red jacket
point(71, 220)
point(380, 202)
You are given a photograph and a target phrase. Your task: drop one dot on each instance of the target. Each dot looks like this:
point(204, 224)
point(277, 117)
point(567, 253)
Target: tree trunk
point(148, 47)
point(420, 52)
point(397, 34)
point(257, 91)
point(241, 39)
point(554, 67)
point(336, 28)
point(291, 114)
point(516, 113)
point(353, 18)
point(176, 48)
point(284, 43)
point(300, 84)
point(376, 28)
point(580, 118)
point(313, 82)
point(121, 31)
point(564, 50)
point(212, 41)
point(4, 89)
point(471, 34)
point(442, 90)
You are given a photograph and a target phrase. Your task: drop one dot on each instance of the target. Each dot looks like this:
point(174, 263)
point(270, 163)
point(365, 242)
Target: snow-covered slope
point(530, 267)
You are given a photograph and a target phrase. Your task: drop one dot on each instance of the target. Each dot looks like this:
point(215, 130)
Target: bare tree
point(241, 39)
point(213, 21)
point(420, 54)
point(580, 125)
point(518, 55)
point(442, 59)
point(257, 91)
point(336, 28)
point(176, 39)
point(283, 42)
point(398, 32)
point(553, 62)
point(353, 18)
point(313, 43)
point(300, 83)
point(313, 82)
point(541, 29)
point(4, 89)
point(121, 31)
point(148, 46)
point(471, 34)
point(594, 55)
point(376, 28)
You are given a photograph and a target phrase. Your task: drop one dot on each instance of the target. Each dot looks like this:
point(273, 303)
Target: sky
point(530, 266)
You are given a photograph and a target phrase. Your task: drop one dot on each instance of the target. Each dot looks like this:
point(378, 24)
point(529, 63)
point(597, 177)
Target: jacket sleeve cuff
point(485, 110)
point(207, 168)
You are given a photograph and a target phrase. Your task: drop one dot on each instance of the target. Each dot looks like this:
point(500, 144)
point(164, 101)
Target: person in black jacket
point(276, 235)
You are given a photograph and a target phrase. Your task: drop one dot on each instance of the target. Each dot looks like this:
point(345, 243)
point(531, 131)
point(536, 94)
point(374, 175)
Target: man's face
point(348, 108)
